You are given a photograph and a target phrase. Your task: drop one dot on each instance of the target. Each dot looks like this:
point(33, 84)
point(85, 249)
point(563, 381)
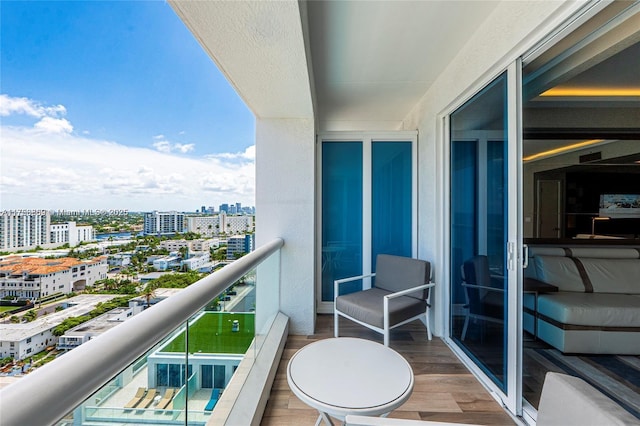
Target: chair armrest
point(359, 277)
point(482, 287)
point(336, 283)
point(409, 290)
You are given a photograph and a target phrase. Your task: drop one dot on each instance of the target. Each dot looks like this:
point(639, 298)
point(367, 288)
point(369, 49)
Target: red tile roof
point(17, 265)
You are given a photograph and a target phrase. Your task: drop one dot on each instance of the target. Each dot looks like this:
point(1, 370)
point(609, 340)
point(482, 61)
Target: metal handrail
point(52, 391)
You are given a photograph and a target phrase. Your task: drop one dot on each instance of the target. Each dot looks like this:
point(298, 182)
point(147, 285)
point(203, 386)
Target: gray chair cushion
point(397, 273)
point(367, 306)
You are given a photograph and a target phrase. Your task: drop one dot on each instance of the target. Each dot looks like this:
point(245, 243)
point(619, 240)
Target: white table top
point(345, 375)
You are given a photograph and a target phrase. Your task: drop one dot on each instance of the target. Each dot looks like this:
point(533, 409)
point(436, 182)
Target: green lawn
point(7, 308)
point(212, 334)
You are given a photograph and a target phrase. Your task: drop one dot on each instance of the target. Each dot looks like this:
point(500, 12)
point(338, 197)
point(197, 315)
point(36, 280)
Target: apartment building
point(239, 244)
point(238, 225)
point(164, 223)
point(210, 226)
point(24, 229)
point(28, 229)
point(71, 233)
point(35, 278)
point(199, 260)
point(193, 245)
point(207, 226)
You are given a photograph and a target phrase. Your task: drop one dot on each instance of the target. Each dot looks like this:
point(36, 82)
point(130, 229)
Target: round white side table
point(344, 375)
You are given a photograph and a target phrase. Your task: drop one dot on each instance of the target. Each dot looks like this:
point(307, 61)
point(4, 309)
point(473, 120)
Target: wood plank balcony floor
point(444, 389)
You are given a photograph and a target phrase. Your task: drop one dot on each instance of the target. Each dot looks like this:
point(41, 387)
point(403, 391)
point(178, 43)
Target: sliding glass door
point(483, 237)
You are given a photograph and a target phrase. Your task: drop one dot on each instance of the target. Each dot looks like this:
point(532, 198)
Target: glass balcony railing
point(169, 364)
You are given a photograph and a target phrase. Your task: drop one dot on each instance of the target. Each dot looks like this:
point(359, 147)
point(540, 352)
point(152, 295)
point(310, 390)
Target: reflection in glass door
point(479, 230)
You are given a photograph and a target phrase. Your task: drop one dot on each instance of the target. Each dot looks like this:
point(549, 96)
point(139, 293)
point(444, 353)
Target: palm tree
point(184, 252)
point(149, 293)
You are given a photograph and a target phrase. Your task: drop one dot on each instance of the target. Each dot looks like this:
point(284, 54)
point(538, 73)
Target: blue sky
point(114, 104)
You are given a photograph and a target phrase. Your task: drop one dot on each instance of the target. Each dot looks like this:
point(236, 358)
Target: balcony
point(123, 375)
point(445, 391)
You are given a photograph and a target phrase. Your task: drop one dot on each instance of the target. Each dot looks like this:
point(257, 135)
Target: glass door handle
point(511, 255)
point(525, 256)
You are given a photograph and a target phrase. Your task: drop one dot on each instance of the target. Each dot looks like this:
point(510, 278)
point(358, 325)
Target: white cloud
point(184, 148)
point(248, 154)
point(47, 166)
point(10, 105)
point(54, 125)
point(164, 145)
point(50, 118)
point(66, 171)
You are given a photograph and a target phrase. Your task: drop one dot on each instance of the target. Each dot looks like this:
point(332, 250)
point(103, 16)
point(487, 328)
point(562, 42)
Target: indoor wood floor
point(444, 389)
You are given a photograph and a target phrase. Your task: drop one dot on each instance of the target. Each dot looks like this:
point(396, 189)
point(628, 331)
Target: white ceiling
point(366, 64)
point(374, 60)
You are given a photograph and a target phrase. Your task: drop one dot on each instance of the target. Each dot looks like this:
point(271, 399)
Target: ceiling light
point(562, 149)
point(592, 91)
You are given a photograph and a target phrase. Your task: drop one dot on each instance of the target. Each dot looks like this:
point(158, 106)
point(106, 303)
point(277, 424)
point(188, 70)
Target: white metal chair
point(400, 295)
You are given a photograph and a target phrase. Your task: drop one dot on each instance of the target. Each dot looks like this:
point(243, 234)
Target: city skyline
point(114, 105)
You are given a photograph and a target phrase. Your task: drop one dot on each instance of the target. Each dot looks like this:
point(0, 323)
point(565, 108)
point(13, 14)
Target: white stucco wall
point(285, 207)
point(512, 29)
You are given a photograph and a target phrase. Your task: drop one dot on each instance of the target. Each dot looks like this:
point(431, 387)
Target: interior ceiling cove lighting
point(592, 92)
point(562, 149)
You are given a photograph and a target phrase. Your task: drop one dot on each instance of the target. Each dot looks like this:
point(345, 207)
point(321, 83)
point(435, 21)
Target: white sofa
point(597, 307)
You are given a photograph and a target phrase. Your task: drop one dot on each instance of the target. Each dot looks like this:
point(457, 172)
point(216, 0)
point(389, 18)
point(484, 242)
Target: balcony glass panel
point(180, 380)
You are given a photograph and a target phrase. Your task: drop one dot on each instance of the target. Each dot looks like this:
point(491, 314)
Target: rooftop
point(99, 324)
point(212, 333)
point(77, 306)
point(39, 266)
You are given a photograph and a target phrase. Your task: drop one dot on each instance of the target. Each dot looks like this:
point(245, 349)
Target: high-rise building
point(207, 226)
point(238, 225)
point(24, 229)
point(224, 208)
point(164, 223)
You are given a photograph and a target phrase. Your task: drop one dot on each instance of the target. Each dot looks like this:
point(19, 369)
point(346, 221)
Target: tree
point(30, 315)
point(149, 293)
